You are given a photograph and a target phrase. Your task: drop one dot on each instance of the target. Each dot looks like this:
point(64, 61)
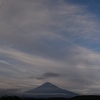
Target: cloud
point(39, 30)
point(78, 58)
point(9, 90)
point(25, 27)
point(4, 92)
point(48, 75)
point(38, 37)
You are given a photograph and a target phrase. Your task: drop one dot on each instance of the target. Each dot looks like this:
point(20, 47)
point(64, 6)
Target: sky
point(55, 41)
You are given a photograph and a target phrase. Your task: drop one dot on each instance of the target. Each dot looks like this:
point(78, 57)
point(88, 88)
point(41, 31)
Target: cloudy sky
point(55, 41)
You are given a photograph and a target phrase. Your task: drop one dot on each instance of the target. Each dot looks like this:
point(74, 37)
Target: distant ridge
point(49, 88)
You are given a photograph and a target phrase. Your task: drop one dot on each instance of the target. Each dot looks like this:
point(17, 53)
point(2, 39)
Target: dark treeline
point(84, 97)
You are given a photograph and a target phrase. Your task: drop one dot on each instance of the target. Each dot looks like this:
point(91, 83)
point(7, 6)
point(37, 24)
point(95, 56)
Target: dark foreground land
point(84, 97)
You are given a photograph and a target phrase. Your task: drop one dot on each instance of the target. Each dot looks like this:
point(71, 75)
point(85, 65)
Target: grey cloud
point(9, 91)
point(49, 75)
point(27, 23)
point(34, 27)
point(46, 34)
point(81, 75)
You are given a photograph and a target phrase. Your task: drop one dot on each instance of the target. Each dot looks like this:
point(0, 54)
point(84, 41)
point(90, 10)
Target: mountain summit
point(49, 88)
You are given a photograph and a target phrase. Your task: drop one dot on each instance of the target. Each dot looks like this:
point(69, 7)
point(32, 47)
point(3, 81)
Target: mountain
point(50, 89)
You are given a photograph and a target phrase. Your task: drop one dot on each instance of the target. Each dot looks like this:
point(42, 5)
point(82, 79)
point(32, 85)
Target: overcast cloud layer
point(49, 40)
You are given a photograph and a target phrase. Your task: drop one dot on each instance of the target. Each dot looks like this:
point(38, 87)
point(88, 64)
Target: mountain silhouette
point(48, 87)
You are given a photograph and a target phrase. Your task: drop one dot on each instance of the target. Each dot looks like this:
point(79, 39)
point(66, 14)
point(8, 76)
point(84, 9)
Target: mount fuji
point(51, 89)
